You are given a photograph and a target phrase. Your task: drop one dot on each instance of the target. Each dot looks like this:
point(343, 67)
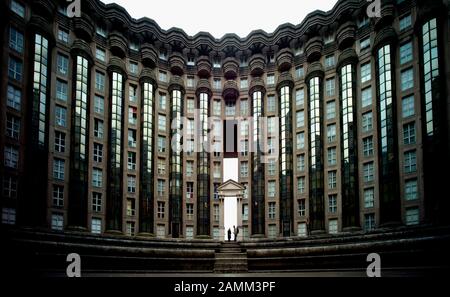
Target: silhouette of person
point(234, 233)
point(237, 233)
point(229, 234)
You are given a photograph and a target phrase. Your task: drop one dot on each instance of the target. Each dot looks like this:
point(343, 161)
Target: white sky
point(221, 17)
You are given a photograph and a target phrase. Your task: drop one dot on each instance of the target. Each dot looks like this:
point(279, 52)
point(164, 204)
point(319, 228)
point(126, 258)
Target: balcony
point(387, 16)
point(81, 47)
point(230, 68)
point(284, 59)
point(257, 84)
point(116, 64)
point(314, 49)
point(83, 27)
point(148, 75)
point(118, 44)
point(346, 35)
point(176, 62)
point(230, 90)
point(314, 69)
point(176, 83)
point(285, 79)
point(148, 55)
point(203, 67)
point(203, 86)
point(257, 65)
point(348, 56)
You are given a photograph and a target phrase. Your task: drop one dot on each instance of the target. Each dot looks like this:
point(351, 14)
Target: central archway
point(230, 190)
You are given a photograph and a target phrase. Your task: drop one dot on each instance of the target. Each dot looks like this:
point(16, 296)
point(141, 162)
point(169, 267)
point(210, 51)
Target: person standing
point(229, 234)
point(234, 233)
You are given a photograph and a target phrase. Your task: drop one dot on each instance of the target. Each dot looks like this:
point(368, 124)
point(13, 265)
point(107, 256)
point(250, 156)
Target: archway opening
point(230, 171)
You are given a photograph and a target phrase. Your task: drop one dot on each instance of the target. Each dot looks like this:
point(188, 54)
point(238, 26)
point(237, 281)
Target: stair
point(231, 259)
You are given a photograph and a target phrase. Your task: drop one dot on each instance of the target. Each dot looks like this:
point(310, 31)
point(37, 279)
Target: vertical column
point(387, 131)
point(434, 121)
point(34, 206)
point(176, 162)
point(316, 159)
point(203, 174)
point(115, 166)
point(258, 189)
point(286, 158)
point(146, 190)
point(349, 148)
point(79, 145)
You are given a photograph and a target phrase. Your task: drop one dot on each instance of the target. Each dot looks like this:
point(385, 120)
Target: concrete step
point(231, 256)
point(225, 260)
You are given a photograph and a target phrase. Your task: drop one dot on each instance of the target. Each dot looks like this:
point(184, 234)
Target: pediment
point(231, 185)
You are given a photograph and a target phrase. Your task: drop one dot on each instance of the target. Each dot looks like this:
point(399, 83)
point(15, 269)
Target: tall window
point(431, 69)
point(40, 82)
point(99, 104)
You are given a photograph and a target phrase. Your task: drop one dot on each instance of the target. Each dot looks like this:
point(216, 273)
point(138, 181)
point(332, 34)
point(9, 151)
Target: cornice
point(147, 30)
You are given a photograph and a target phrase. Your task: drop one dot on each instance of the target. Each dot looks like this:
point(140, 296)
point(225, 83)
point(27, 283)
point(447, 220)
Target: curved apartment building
point(339, 123)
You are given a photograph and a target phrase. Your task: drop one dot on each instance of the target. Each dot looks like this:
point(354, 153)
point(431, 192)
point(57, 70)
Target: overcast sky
point(221, 17)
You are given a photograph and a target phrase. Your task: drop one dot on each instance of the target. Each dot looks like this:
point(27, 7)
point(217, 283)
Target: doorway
point(230, 194)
